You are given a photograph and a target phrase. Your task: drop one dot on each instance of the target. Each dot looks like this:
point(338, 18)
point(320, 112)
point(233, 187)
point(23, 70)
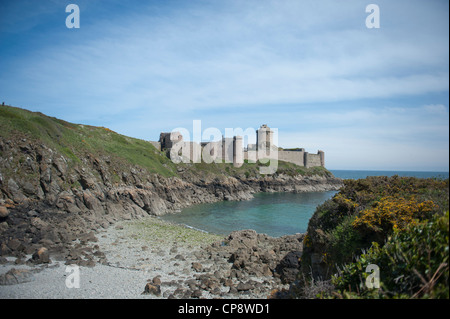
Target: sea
point(274, 214)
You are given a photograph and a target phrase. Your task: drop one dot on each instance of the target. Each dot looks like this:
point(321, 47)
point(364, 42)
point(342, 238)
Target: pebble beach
point(138, 252)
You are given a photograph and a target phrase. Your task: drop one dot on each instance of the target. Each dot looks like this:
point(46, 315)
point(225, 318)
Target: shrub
point(367, 211)
point(393, 213)
point(413, 264)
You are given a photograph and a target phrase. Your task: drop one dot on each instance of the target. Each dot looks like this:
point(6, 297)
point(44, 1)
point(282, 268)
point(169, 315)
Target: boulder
point(156, 281)
point(3, 212)
point(151, 288)
point(289, 266)
point(243, 238)
point(15, 276)
point(41, 256)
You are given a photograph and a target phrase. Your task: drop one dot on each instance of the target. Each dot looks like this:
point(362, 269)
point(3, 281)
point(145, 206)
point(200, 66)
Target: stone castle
point(231, 150)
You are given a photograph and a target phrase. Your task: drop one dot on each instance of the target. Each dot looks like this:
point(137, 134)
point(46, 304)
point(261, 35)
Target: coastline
point(138, 252)
point(59, 208)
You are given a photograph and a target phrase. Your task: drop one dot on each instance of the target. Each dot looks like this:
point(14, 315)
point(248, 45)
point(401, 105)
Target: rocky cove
point(55, 209)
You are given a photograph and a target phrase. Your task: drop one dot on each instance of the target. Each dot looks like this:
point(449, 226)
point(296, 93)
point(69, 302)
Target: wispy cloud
point(291, 63)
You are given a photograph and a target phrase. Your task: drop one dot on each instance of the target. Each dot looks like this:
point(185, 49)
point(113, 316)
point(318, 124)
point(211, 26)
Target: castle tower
point(167, 140)
point(238, 151)
point(322, 158)
point(264, 137)
point(227, 149)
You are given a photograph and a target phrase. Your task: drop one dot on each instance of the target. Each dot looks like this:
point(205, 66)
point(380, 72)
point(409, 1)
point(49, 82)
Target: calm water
point(275, 214)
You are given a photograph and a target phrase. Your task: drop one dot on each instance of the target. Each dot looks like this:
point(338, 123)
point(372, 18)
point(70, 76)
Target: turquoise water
point(275, 214)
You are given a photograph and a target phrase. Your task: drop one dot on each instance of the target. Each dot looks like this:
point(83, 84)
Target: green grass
point(74, 141)
point(252, 170)
point(155, 230)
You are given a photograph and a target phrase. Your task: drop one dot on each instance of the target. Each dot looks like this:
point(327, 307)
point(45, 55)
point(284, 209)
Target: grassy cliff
point(76, 141)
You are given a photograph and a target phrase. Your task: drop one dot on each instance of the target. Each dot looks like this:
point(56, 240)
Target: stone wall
point(230, 150)
point(312, 160)
point(157, 145)
point(296, 157)
point(186, 151)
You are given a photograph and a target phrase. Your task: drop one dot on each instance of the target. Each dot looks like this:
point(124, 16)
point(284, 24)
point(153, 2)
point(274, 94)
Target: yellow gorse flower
point(396, 212)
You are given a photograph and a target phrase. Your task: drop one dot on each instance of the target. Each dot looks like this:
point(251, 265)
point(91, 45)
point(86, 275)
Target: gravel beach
point(179, 261)
point(136, 251)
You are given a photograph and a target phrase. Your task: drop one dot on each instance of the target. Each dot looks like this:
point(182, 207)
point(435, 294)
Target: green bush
point(413, 264)
point(368, 210)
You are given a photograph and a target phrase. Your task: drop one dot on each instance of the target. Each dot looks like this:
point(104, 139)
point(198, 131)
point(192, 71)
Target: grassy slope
point(75, 141)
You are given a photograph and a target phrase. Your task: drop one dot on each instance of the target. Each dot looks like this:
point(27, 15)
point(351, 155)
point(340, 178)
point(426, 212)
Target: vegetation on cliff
point(59, 181)
point(77, 141)
point(400, 224)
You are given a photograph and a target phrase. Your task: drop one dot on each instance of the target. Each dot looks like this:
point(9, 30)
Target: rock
point(15, 191)
point(243, 238)
point(179, 291)
point(4, 249)
point(209, 283)
point(38, 223)
point(33, 213)
point(60, 164)
point(92, 202)
point(244, 286)
point(15, 244)
point(196, 294)
point(41, 256)
point(153, 289)
point(28, 188)
point(3, 212)
point(288, 267)
point(88, 237)
point(197, 266)
point(228, 283)
point(15, 276)
point(87, 182)
point(156, 281)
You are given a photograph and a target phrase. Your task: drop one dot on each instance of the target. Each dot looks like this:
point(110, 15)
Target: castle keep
point(231, 150)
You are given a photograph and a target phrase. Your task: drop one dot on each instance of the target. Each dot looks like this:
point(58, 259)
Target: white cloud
point(227, 62)
point(207, 59)
point(436, 108)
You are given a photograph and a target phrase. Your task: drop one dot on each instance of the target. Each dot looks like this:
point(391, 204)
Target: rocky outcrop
point(244, 263)
point(52, 201)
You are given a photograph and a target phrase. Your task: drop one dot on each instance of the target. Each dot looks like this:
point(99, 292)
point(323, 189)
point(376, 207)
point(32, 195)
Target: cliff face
point(45, 195)
point(53, 192)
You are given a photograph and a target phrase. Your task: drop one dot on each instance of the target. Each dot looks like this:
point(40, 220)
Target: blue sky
point(370, 98)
